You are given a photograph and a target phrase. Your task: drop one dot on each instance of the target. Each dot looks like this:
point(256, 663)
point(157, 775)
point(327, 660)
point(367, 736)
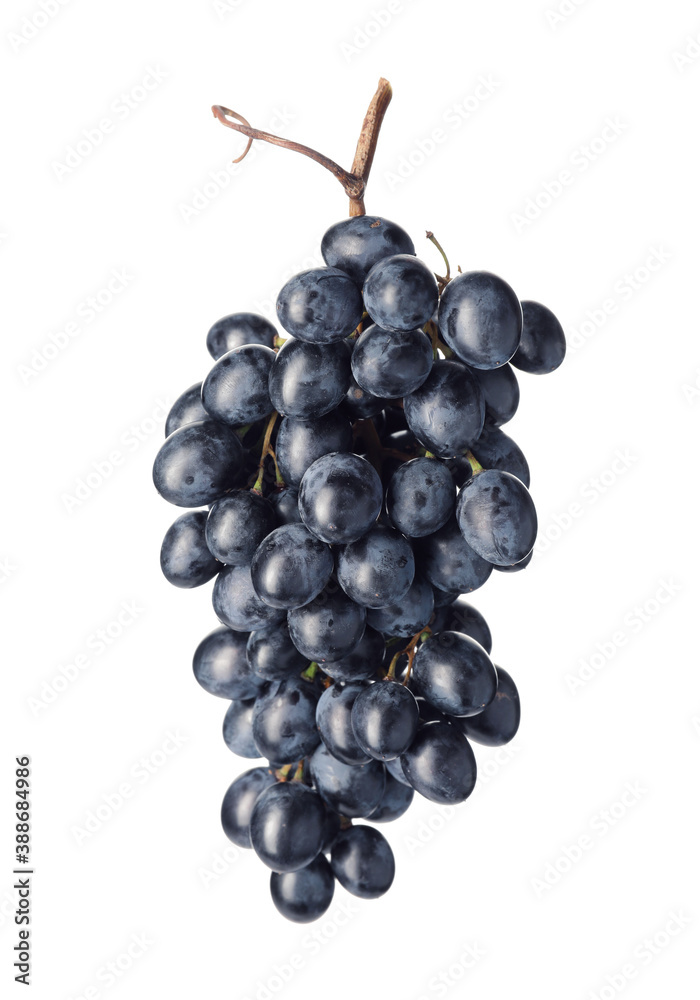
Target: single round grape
point(333, 718)
point(285, 504)
point(449, 563)
point(495, 450)
point(459, 616)
point(362, 662)
point(497, 517)
point(340, 497)
point(272, 655)
point(287, 826)
point(447, 412)
point(377, 569)
point(236, 389)
point(420, 497)
point(301, 442)
point(239, 800)
point(454, 674)
point(440, 764)
point(284, 720)
point(543, 344)
point(309, 380)
point(397, 797)
point(352, 790)
point(407, 617)
point(355, 245)
point(359, 404)
point(306, 894)
point(237, 605)
point(220, 665)
point(516, 567)
point(198, 463)
point(400, 293)
point(238, 329)
point(501, 393)
point(391, 363)
point(236, 525)
point(320, 305)
point(238, 729)
point(328, 627)
point(290, 567)
point(363, 862)
point(184, 557)
point(187, 409)
point(385, 719)
point(498, 723)
point(480, 319)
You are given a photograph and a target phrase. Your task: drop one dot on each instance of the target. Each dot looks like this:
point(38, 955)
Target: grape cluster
point(358, 482)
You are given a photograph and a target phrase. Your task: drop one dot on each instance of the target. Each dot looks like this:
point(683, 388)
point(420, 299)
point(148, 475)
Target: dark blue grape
point(543, 344)
point(301, 442)
point(284, 720)
point(446, 413)
point(420, 497)
point(237, 605)
point(333, 718)
point(239, 800)
point(285, 504)
point(290, 567)
point(440, 764)
point(287, 826)
point(460, 616)
point(454, 674)
point(397, 797)
point(363, 862)
point(328, 627)
point(497, 517)
point(385, 719)
point(449, 563)
point(340, 498)
point(320, 305)
point(480, 319)
point(187, 409)
point(352, 790)
point(362, 662)
point(501, 393)
point(236, 525)
point(499, 721)
point(272, 655)
point(306, 894)
point(400, 293)
point(238, 329)
point(391, 363)
point(236, 389)
point(355, 245)
point(407, 617)
point(377, 569)
point(220, 665)
point(309, 380)
point(198, 463)
point(495, 450)
point(359, 404)
point(238, 729)
point(184, 557)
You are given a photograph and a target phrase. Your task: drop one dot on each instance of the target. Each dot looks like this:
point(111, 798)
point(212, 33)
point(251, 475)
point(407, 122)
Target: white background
point(153, 201)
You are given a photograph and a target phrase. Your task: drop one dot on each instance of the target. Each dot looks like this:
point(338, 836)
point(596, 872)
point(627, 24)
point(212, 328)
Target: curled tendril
point(223, 114)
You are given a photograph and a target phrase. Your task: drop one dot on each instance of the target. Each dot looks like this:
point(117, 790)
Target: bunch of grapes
point(350, 485)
